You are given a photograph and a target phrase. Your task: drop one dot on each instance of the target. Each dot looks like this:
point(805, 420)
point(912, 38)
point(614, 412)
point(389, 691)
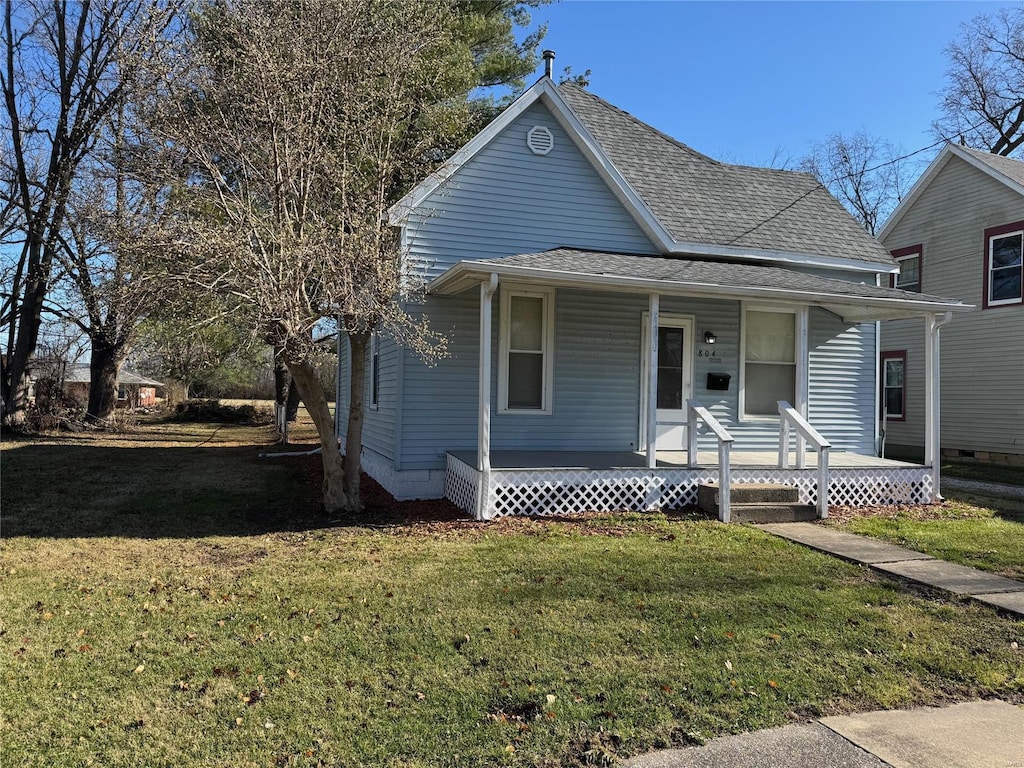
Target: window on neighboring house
point(894, 391)
point(1004, 264)
point(909, 277)
point(526, 349)
point(374, 369)
point(769, 360)
point(122, 392)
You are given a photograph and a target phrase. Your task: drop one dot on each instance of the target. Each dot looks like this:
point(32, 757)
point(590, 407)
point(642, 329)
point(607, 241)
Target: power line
point(842, 177)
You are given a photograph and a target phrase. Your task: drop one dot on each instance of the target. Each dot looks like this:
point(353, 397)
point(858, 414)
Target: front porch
point(555, 482)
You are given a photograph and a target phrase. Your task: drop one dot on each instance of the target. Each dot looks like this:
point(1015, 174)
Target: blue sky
point(740, 80)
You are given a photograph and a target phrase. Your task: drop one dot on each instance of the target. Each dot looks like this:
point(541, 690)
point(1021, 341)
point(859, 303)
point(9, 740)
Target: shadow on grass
point(88, 490)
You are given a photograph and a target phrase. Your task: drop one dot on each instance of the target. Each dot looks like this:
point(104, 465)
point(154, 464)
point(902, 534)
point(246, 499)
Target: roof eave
point(466, 274)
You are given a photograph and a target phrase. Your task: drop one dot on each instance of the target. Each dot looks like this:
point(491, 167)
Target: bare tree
point(983, 101)
point(865, 173)
point(297, 118)
point(66, 69)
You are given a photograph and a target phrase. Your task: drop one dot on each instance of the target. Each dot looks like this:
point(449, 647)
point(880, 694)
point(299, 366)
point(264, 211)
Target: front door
point(675, 381)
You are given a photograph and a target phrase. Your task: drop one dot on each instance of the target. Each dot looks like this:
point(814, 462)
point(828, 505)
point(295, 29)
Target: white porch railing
point(791, 417)
point(697, 413)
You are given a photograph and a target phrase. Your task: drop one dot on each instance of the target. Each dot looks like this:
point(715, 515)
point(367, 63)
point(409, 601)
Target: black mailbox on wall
point(718, 381)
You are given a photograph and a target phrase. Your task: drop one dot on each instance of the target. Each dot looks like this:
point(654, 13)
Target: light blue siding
point(597, 379)
point(379, 422)
point(507, 200)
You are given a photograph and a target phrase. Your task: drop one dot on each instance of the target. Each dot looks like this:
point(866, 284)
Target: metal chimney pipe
point(549, 61)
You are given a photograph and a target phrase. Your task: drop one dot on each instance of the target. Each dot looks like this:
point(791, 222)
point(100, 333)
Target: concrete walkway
point(977, 734)
point(998, 591)
point(1004, 490)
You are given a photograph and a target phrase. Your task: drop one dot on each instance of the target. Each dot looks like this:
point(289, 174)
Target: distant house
point(960, 232)
point(621, 310)
point(133, 390)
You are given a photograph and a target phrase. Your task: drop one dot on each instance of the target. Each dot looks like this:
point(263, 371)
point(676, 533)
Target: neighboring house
point(568, 246)
point(133, 390)
point(960, 232)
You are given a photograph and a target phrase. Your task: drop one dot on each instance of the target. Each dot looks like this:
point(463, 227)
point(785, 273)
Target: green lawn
point(196, 611)
point(971, 529)
point(988, 473)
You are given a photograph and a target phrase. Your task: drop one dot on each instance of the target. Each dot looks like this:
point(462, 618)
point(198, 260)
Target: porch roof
point(619, 272)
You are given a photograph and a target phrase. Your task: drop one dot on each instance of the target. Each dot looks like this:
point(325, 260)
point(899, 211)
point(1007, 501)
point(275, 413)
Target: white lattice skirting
point(558, 491)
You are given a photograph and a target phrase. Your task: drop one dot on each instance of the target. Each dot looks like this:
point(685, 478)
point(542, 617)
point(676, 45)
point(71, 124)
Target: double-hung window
point(769, 360)
point(894, 391)
point(526, 350)
point(1004, 264)
point(374, 370)
point(909, 277)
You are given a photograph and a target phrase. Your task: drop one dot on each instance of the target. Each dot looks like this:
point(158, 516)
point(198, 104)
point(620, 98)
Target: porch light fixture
point(709, 337)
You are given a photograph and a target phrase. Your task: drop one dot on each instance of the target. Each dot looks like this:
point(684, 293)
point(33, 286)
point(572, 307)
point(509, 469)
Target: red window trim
point(910, 250)
point(895, 355)
point(991, 232)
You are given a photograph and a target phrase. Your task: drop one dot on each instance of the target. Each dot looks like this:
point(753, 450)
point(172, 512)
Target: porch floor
point(519, 460)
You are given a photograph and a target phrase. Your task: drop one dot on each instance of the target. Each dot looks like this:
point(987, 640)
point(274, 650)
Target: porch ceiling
point(617, 272)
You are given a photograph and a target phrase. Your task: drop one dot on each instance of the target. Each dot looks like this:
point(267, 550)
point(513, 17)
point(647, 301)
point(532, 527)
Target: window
point(909, 277)
point(374, 369)
point(894, 391)
point(1004, 264)
point(526, 351)
point(769, 360)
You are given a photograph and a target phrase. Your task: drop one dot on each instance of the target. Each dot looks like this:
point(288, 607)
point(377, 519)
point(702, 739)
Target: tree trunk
point(28, 317)
point(104, 365)
point(338, 495)
point(291, 406)
point(281, 388)
point(358, 344)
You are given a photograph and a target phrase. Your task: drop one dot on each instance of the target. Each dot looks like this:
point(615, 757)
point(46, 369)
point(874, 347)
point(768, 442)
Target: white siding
point(982, 357)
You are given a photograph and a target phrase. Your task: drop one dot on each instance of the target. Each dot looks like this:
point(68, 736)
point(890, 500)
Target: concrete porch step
point(758, 502)
point(773, 513)
point(747, 493)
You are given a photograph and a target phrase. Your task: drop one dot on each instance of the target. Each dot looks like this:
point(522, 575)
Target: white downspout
point(483, 435)
point(932, 442)
point(652, 383)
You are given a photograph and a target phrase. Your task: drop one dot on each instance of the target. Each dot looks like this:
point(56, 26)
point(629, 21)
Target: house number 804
point(706, 353)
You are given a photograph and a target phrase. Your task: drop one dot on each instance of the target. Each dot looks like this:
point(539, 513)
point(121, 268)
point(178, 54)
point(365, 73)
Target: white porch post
point(802, 377)
point(652, 383)
point(483, 435)
point(932, 443)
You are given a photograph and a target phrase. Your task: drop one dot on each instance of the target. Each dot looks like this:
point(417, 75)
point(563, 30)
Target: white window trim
point(758, 418)
point(374, 370)
point(988, 277)
point(547, 347)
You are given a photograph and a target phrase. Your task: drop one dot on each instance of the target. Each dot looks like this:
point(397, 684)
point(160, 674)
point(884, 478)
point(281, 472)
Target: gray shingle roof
point(1007, 166)
point(701, 271)
point(80, 373)
point(700, 200)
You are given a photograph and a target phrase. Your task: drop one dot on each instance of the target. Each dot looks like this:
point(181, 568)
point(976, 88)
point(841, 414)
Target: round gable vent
point(540, 140)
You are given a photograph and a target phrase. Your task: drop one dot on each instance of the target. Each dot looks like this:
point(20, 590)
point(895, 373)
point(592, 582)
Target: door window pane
point(670, 368)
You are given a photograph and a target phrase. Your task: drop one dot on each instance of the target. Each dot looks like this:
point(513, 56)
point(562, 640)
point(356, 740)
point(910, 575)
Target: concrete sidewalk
point(977, 734)
point(997, 591)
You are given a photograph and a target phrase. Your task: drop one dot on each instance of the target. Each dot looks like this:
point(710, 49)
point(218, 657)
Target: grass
point(987, 473)
point(172, 599)
point(970, 528)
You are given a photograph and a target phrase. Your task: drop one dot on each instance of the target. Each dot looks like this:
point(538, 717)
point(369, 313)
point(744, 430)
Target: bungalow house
point(960, 232)
point(133, 390)
point(629, 319)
